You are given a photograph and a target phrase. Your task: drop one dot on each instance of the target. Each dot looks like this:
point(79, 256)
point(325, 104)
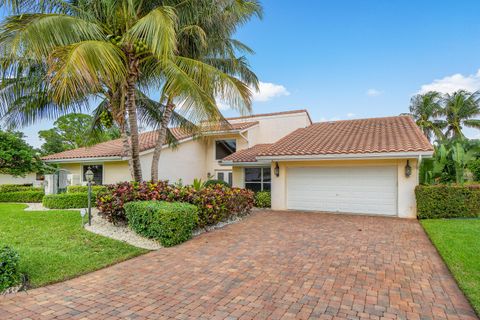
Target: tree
point(17, 158)
point(59, 54)
point(74, 131)
point(426, 108)
point(460, 109)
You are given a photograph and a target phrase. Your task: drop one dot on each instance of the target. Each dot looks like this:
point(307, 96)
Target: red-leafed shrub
point(215, 203)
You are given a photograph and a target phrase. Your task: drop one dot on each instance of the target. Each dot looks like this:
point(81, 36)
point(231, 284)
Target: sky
point(349, 59)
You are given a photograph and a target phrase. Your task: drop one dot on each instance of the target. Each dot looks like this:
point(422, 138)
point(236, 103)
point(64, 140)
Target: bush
point(448, 201)
point(18, 187)
point(22, 196)
point(214, 203)
point(263, 199)
point(9, 273)
point(211, 183)
point(67, 200)
point(84, 189)
point(170, 223)
point(474, 167)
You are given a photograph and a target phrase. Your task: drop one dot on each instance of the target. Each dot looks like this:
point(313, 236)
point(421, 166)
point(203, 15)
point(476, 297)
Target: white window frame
point(261, 182)
point(226, 173)
point(215, 147)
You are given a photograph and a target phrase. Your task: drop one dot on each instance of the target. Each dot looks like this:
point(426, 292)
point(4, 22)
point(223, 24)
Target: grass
point(458, 242)
point(54, 247)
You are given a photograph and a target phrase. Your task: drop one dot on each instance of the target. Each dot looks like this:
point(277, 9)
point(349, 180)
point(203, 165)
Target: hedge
point(215, 203)
point(263, 199)
point(448, 201)
point(67, 200)
point(10, 275)
point(170, 223)
point(213, 182)
point(84, 189)
point(22, 196)
point(18, 187)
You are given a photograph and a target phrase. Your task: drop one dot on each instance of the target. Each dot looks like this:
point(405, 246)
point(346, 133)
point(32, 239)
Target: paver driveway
point(275, 265)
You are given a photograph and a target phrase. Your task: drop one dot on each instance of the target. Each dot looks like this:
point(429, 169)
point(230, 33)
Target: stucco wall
point(406, 204)
point(212, 165)
point(186, 162)
point(116, 171)
point(273, 128)
point(8, 179)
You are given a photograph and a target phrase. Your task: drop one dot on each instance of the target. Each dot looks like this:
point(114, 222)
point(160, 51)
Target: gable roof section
point(362, 136)
point(147, 141)
point(247, 155)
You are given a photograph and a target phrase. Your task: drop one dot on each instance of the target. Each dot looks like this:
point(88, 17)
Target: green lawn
point(458, 241)
point(54, 247)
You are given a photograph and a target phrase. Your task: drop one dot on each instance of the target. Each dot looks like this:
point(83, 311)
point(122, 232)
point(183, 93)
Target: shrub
point(67, 200)
point(211, 183)
point(9, 273)
point(170, 223)
point(474, 167)
point(263, 199)
point(22, 196)
point(448, 201)
point(18, 187)
point(84, 189)
point(214, 203)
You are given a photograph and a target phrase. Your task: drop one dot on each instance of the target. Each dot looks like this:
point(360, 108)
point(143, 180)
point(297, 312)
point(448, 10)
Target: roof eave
point(349, 156)
point(244, 163)
point(85, 159)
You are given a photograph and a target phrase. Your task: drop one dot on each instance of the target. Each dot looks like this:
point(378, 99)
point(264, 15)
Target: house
point(192, 158)
point(367, 166)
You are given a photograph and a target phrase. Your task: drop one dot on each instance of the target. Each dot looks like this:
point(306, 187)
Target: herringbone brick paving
point(272, 265)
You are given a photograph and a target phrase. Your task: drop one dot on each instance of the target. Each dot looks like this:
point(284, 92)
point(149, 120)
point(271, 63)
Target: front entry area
point(361, 189)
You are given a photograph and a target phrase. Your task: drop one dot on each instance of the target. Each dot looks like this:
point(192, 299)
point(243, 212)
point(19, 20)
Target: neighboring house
point(30, 178)
point(192, 158)
point(357, 166)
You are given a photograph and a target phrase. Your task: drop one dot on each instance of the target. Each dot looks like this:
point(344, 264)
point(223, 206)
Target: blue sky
point(350, 59)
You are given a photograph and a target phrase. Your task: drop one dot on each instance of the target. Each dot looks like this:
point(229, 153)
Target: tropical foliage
point(74, 131)
point(59, 55)
point(445, 116)
point(17, 158)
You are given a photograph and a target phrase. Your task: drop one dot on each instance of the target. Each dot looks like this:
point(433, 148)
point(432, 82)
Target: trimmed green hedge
point(22, 196)
point(10, 275)
point(263, 199)
point(17, 188)
point(67, 200)
point(448, 201)
point(170, 222)
point(84, 189)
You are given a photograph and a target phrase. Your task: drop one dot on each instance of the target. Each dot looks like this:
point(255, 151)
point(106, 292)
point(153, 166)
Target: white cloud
point(351, 115)
point(373, 92)
point(454, 83)
point(267, 91)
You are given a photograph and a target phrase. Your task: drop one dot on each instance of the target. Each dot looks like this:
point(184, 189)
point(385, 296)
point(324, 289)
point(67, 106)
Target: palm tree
point(217, 21)
point(425, 109)
point(105, 49)
point(461, 109)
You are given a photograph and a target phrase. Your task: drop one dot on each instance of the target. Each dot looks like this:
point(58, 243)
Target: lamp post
point(89, 177)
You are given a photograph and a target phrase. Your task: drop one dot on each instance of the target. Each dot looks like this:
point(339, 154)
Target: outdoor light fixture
point(89, 176)
point(408, 169)
point(276, 170)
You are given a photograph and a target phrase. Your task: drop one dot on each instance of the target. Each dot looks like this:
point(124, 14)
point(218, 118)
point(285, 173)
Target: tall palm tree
point(105, 48)
point(426, 108)
point(461, 109)
point(216, 21)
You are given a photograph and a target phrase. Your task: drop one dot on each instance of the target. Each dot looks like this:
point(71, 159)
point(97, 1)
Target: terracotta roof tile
point(247, 155)
point(147, 141)
point(375, 135)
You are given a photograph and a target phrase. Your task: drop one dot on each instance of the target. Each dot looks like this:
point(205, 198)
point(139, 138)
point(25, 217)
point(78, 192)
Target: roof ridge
point(268, 114)
point(363, 119)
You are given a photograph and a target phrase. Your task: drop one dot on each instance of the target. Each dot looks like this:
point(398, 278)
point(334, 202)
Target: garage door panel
point(343, 189)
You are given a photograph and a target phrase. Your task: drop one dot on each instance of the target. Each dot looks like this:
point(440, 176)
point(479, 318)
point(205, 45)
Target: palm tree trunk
point(131, 108)
point(126, 150)
point(162, 136)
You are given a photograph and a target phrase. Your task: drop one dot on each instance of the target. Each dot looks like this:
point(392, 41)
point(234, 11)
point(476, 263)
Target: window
point(97, 170)
point(224, 148)
point(258, 179)
point(225, 176)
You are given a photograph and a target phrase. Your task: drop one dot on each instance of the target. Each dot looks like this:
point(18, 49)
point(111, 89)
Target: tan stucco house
point(367, 166)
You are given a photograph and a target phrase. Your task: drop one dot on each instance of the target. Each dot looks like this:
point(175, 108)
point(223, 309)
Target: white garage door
point(370, 190)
